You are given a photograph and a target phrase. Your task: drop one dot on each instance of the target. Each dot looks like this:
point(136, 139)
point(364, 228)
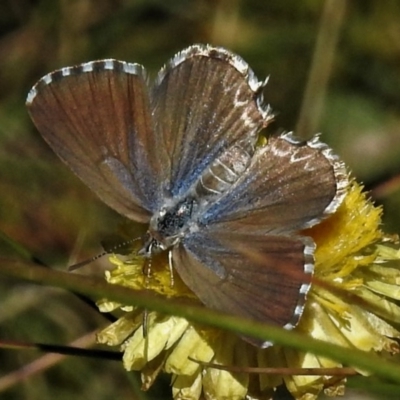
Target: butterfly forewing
point(96, 117)
point(204, 100)
point(263, 278)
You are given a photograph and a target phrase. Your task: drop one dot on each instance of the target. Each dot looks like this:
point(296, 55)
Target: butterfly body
point(177, 218)
point(171, 223)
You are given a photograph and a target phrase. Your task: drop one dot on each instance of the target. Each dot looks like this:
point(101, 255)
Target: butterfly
point(182, 156)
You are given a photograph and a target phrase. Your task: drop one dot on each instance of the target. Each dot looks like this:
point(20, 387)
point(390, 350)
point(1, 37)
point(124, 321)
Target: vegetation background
point(334, 67)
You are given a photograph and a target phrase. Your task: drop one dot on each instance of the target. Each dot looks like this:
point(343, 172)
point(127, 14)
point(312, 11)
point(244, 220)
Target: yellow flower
point(351, 303)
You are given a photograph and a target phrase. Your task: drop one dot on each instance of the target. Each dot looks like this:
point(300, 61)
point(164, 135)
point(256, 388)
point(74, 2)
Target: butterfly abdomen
point(225, 170)
point(169, 224)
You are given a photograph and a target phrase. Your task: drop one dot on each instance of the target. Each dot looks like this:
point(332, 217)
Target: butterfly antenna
point(104, 253)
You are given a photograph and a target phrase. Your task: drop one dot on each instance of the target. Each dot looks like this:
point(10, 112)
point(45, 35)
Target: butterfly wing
point(245, 257)
point(204, 100)
point(96, 118)
point(289, 186)
point(265, 278)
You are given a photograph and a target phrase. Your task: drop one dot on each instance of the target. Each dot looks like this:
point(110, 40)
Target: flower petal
point(192, 345)
point(162, 333)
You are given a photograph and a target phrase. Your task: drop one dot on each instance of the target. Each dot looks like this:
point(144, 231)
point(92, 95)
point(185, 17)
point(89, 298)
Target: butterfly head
point(168, 225)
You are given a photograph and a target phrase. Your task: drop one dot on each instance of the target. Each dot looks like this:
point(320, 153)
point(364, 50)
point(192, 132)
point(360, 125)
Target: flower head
point(351, 303)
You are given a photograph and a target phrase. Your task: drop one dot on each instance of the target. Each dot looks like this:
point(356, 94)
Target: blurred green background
point(334, 68)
